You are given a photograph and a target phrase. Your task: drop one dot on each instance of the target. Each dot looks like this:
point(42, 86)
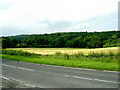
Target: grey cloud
point(97, 23)
point(60, 25)
point(55, 25)
point(13, 30)
point(100, 23)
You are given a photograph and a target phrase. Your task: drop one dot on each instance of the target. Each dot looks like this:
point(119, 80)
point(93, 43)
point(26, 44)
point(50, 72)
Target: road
point(48, 76)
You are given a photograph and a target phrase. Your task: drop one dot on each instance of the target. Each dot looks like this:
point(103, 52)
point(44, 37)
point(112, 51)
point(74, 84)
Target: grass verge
point(100, 63)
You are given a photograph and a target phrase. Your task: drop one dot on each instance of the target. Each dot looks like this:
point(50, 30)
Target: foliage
point(17, 52)
point(66, 39)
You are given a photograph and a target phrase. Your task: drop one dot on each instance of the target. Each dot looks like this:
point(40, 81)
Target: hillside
point(64, 39)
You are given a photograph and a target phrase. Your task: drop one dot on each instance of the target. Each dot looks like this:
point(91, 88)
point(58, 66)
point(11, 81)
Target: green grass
point(99, 63)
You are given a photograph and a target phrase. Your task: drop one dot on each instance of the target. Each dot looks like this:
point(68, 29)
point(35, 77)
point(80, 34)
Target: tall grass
point(79, 55)
point(91, 54)
point(46, 51)
point(92, 60)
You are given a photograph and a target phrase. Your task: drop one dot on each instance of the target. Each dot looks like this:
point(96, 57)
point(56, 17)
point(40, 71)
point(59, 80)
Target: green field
point(100, 59)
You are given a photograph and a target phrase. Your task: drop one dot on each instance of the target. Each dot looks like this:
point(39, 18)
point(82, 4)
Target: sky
point(49, 16)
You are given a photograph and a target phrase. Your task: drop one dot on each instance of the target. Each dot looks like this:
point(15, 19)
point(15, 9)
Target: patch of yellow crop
point(48, 51)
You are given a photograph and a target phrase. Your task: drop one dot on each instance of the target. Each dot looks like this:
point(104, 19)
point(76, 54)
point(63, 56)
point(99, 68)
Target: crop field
point(102, 58)
point(70, 51)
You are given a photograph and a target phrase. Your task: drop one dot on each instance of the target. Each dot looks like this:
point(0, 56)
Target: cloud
point(99, 23)
point(44, 16)
point(108, 22)
point(4, 5)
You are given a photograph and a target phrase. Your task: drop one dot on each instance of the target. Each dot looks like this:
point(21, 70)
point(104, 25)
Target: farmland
point(70, 51)
point(101, 59)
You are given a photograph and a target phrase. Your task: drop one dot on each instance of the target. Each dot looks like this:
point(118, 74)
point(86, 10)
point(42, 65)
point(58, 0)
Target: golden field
point(48, 51)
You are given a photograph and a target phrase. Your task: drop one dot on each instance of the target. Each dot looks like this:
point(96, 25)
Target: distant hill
point(64, 39)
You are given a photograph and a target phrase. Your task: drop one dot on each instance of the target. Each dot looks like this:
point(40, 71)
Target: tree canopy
point(64, 39)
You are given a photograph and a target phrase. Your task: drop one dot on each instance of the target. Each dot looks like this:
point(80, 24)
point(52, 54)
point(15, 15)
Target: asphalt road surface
point(48, 76)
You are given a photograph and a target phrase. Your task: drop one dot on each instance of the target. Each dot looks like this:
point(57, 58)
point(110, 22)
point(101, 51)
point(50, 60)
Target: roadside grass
point(91, 63)
point(98, 61)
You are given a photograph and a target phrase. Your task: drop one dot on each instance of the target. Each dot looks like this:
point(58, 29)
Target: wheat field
point(50, 51)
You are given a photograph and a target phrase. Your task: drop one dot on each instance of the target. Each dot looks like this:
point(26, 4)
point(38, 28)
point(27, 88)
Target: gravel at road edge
point(14, 84)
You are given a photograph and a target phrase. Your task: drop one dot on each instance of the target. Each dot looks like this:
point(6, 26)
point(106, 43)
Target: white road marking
point(9, 66)
point(5, 78)
point(83, 78)
point(65, 75)
point(25, 69)
point(18, 67)
point(92, 79)
point(104, 81)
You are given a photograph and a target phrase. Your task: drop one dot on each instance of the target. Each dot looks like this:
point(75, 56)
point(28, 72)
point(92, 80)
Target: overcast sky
point(48, 16)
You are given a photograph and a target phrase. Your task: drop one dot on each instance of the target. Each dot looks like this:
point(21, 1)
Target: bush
point(22, 45)
point(66, 56)
point(17, 52)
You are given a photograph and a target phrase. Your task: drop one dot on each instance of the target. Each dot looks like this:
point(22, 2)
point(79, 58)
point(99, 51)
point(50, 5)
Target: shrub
point(66, 56)
point(17, 52)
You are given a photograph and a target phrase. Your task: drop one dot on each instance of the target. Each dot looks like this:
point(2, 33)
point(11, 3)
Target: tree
point(95, 42)
point(5, 42)
point(13, 42)
point(66, 39)
point(59, 42)
point(79, 42)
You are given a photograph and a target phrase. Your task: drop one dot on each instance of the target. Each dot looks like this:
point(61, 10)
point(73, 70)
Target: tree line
point(63, 39)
